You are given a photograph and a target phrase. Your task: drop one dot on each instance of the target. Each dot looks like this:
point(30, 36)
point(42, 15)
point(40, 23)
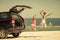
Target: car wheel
point(3, 33)
point(15, 34)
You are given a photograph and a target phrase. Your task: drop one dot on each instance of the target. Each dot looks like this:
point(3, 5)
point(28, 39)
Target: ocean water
point(54, 21)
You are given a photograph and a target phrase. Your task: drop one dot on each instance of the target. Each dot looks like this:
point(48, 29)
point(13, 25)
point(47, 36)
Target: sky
point(50, 6)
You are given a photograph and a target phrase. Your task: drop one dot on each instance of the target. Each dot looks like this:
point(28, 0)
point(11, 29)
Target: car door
point(18, 8)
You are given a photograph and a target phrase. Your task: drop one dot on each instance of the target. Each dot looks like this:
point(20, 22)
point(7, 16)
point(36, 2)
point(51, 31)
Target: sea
point(53, 21)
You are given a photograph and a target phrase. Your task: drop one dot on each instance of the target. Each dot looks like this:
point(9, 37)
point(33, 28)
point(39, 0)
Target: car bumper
point(16, 30)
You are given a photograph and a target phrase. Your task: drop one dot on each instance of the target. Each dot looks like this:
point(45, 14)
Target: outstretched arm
point(48, 14)
point(41, 13)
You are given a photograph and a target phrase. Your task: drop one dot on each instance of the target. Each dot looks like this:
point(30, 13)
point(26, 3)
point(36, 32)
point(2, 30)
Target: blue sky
point(50, 6)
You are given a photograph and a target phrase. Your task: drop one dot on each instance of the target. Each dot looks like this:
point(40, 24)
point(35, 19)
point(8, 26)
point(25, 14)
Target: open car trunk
point(18, 9)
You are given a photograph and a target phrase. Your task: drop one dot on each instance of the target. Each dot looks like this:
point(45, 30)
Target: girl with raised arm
point(43, 15)
point(33, 23)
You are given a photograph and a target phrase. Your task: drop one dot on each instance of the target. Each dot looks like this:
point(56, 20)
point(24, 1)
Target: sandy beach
point(36, 35)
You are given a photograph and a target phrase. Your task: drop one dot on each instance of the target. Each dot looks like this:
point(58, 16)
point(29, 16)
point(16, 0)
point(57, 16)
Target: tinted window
point(3, 16)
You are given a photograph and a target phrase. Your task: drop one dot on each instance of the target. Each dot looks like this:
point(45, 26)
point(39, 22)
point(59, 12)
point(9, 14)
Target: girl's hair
point(44, 13)
point(33, 18)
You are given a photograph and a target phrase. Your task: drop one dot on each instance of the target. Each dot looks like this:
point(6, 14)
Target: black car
point(11, 22)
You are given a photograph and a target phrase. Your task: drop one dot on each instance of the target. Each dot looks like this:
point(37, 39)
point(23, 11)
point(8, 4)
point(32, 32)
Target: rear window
point(2, 15)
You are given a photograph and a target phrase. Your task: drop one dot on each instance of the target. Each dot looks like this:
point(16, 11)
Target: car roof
point(4, 12)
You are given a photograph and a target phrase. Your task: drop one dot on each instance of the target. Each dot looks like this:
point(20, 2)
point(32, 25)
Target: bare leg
point(45, 25)
point(33, 28)
point(41, 24)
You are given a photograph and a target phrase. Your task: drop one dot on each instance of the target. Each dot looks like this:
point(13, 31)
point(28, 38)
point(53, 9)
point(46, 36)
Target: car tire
point(15, 34)
point(3, 33)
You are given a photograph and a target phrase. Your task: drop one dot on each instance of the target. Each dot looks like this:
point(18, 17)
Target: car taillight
point(12, 20)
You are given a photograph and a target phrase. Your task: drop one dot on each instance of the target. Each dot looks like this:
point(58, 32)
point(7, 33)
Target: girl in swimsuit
point(33, 23)
point(44, 15)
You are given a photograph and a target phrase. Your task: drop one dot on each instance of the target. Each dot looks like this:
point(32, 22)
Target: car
point(11, 22)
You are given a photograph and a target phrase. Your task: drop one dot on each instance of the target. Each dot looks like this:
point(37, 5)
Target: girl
point(44, 15)
point(33, 23)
